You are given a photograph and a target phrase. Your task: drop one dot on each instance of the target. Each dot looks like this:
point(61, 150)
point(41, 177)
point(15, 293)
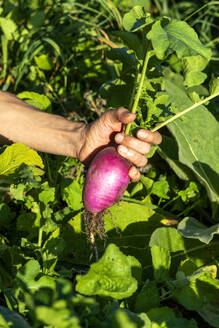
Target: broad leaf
point(27, 277)
point(110, 276)
point(127, 225)
point(192, 228)
point(148, 297)
point(35, 99)
point(132, 41)
point(125, 318)
point(165, 317)
point(62, 317)
point(72, 194)
point(210, 313)
point(136, 19)
point(196, 148)
point(9, 28)
point(11, 319)
point(177, 36)
point(161, 263)
point(44, 62)
point(168, 150)
point(47, 194)
point(192, 66)
point(17, 154)
point(214, 85)
point(196, 290)
point(167, 238)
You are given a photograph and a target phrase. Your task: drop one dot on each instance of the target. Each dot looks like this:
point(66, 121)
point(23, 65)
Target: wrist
point(77, 139)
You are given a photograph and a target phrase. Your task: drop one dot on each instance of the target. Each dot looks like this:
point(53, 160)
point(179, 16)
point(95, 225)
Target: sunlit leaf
point(17, 154)
point(191, 228)
point(110, 276)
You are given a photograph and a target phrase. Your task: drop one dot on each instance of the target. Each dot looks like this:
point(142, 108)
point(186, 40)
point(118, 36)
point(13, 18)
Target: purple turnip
point(106, 181)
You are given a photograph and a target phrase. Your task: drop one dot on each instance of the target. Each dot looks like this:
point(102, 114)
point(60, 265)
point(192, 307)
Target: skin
point(20, 122)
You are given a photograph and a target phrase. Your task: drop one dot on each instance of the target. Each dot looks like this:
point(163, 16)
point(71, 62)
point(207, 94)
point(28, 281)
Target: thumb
point(120, 115)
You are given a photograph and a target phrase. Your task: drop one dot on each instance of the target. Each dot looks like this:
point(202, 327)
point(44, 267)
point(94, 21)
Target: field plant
point(158, 265)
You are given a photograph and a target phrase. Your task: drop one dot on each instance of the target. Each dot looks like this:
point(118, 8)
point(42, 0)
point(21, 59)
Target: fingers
point(153, 138)
point(135, 149)
point(133, 143)
point(133, 156)
point(134, 174)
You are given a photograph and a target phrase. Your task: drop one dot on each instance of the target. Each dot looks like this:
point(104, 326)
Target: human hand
point(107, 130)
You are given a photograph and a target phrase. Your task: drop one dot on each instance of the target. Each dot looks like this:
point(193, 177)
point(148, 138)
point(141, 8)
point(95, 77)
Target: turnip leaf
point(192, 228)
point(17, 154)
point(197, 137)
point(110, 276)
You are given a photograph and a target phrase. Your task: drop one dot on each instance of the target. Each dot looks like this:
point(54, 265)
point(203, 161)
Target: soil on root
point(94, 225)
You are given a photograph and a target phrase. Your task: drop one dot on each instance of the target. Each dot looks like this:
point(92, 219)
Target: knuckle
point(143, 161)
point(147, 148)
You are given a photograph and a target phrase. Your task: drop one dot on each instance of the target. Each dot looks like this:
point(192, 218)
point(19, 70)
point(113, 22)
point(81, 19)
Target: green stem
point(143, 72)
point(159, 126)
point(79, 172)
point(195, 12)
point(40, 235)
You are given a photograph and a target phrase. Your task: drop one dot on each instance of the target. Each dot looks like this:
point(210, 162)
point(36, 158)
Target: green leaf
point(167, 238)
point(214, 85)
point(124, 55)
point(11, 319)
point(179, 37)
point(37, 18)
point(72, 194)
point(192, 66)
point(136, 19)
point(196, 135)
point(161, 189)
point(132, 41)
point(47, 194)
point(17, 191)
point(125, 318)
point(127, 225)
point(9, 28)
point(165, 317)
point(189, 227)
point(35, 99)
point(110, 276)
point(168, 150)
point(148, 297)
point(5, 215)
point(17, 154)
point(62, 317)
point(27, 275)
point(44, 62)
point(210, 313)
point(161, 263)
point(196, 290)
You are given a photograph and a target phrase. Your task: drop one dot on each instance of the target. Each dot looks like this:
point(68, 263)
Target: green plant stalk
point(79, 172)
point(138, 95)
point(198, 10)
point(40, 236)
point(159, 126)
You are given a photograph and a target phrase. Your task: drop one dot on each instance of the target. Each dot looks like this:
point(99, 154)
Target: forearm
point(20, 122)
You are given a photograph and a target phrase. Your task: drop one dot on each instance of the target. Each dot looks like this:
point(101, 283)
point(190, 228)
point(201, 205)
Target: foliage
point(158, 266)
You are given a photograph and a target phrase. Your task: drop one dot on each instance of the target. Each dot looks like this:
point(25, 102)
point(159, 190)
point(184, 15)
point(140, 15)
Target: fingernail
point(123, 149)
point(119, 137)
point(143, 134)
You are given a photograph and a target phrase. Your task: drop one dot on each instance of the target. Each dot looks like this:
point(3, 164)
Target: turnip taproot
point(106, 180)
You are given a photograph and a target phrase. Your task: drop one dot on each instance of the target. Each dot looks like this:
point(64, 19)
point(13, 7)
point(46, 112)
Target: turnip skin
point(106, 180)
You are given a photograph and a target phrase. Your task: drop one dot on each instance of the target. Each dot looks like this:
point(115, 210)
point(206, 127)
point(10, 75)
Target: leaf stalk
point(138, 94)
point(173, 118)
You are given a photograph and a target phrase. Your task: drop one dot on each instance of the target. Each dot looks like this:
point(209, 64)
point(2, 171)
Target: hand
point(108, 129)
